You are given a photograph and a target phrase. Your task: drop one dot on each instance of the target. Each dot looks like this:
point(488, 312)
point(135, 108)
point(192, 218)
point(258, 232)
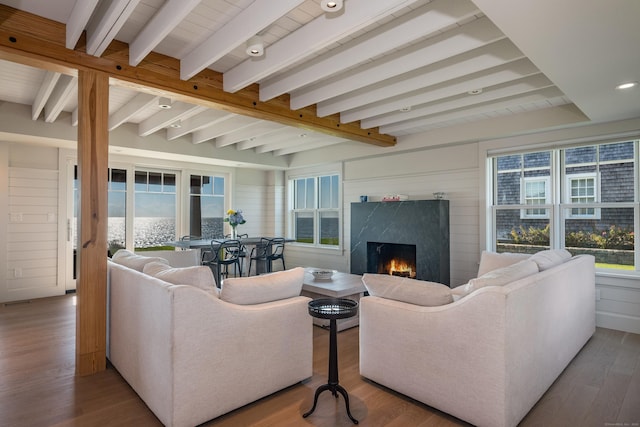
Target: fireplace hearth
point(421, 225)
point(392, 258)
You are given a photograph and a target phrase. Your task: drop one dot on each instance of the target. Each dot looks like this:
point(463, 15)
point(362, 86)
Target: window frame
point(188, 201)
point(525, 213)
point(317, 210)
point(558, 207)
point(570, 204)
point(162, 172)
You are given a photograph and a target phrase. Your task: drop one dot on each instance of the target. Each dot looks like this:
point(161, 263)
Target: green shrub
point(531, 236)
point(612, 238)
point(618, 238)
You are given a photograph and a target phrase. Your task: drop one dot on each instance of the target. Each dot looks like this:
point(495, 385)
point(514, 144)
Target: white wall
point(30, 200)
point(418, 174)
point(453, 170)
point(260, 196)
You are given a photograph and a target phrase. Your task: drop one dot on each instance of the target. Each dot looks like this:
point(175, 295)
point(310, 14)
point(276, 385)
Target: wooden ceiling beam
point(35, 41)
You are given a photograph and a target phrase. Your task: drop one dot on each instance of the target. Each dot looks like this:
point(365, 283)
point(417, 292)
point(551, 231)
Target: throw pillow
point(198, 276)
point(263, 288)
point(504, 275)
point(134, 261)
point(492, 260)
point(412, 291)
point(550, 258)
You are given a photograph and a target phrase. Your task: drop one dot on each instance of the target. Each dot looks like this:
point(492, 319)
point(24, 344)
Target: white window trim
point(570, 205)
point(547, 196)
point(316, 210)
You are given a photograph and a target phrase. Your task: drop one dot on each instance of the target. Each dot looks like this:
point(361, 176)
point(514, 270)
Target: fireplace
point(421, 225)
point(392, 258)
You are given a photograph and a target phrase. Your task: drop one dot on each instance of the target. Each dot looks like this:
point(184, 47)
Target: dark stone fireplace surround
point(424, 223)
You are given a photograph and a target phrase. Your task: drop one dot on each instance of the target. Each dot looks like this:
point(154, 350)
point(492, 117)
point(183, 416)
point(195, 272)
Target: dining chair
point(242, 254)
point(223, 254)
point(259, 254)
point(267, 251)
point(276, 252)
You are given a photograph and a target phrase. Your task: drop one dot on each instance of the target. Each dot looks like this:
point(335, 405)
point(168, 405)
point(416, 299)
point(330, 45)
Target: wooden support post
point(93, 154)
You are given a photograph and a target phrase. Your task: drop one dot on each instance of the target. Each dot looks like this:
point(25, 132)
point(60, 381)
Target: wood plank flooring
point(38, 387)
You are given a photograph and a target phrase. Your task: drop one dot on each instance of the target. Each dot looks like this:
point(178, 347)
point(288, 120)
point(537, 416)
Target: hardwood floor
point(601, 386)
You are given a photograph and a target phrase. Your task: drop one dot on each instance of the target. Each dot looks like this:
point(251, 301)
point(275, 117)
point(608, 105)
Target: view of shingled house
point(588, 191)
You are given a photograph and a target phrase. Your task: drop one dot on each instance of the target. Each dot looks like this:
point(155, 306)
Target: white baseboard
point(619, 322)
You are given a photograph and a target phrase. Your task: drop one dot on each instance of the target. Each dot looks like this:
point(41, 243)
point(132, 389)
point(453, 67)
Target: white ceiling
point(368, 63)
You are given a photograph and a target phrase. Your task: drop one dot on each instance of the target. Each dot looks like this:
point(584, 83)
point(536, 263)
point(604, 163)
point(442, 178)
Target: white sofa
point(193, 353)
point(489, 356)
point(180, 258)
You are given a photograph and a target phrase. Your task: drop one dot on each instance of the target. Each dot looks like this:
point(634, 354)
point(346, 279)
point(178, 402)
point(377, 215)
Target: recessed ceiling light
point(405, 109)
point(176, 125)
point(475, 92)
point(164, 103)
point(331, 5)
point(255, 47)
point(627, 85)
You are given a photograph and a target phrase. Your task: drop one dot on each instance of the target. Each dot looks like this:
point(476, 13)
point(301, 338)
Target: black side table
point(332, 309)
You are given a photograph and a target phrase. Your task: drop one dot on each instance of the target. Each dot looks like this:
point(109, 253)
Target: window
point(117, 208)
point(316, 210)
point(581, 189)
point(592, 210)
point(535, 192)
point(206, 206)
point(521, 181)
point(155, 208)
point(148, 219)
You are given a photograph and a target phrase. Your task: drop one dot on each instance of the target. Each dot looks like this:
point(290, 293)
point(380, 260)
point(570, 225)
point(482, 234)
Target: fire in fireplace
point(391, 258)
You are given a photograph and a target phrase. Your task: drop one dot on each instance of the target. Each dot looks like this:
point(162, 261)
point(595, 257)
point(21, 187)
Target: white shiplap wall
point(461, 188)
point(32, 235)
point(453, 170)
point(618, 302)
point(263, 208)
point(251, 199)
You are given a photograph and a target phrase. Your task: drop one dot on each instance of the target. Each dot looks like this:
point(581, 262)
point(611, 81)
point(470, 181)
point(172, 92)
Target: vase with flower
point(234, 218)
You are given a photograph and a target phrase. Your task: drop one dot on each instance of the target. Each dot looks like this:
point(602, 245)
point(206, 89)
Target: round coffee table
point(332, 309)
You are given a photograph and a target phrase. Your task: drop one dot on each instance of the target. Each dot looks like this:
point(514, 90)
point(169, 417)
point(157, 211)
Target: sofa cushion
point(264, 288)
point(503, 276)
point(418, 292)
point(198, 276)
point(182, 258)
point(550, 258)
point(492, 260)
point(134, 261)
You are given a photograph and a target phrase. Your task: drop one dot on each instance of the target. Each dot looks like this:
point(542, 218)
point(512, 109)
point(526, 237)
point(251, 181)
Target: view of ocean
point(151, 231)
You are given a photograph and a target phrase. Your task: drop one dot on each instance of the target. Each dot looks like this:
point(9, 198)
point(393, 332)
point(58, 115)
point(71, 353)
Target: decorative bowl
point(322, 274)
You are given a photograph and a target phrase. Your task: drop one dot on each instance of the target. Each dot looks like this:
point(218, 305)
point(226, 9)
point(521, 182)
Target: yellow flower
point(230, 212)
